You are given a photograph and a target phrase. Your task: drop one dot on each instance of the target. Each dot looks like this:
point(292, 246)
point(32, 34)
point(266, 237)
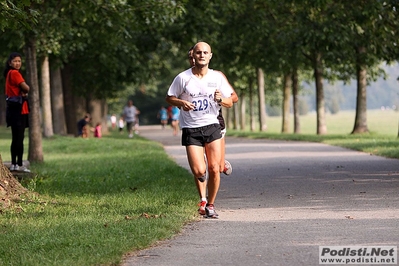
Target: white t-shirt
point(200, 92)
point(130, 113)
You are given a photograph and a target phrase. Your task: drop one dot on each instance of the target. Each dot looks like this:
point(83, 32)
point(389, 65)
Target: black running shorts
point(200, 135)
point(221, 120)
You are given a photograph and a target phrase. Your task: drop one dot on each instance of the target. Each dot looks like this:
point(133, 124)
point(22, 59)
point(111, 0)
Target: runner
point(199, 92)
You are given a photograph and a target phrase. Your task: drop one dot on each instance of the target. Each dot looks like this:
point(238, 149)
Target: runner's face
point(16, 63)
point(202, 54)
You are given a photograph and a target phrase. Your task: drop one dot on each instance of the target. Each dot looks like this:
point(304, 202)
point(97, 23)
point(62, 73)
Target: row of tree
point(87, 51)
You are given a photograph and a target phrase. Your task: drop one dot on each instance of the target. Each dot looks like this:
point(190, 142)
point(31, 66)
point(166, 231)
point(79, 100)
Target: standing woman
point(16, 92)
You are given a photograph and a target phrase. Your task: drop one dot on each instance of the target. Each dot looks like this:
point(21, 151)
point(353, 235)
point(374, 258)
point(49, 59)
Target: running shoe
point(228, 169)
point(12, 167)
point(210, 211)
point(201, 209)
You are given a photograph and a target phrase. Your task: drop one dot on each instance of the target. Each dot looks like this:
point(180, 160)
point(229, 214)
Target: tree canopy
point(113, 47)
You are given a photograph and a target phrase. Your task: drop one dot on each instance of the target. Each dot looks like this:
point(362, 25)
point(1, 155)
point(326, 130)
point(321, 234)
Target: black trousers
point(17, 143)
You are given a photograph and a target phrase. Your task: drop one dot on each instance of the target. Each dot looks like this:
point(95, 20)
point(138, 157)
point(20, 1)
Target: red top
point(97, 132)
point(14, 79)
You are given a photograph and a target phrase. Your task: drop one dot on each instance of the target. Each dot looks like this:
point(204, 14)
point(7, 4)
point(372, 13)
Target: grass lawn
point(95, 200)
point(382, 139)
point(379, 122)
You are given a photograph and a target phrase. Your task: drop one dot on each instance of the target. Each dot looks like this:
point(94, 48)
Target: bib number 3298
point(200, 105)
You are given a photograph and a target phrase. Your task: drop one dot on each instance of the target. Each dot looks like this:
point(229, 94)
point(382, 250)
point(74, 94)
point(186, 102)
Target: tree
point(57, 100)
point(262, 105)
point(287, 86)
point(295, 89)
point(372, 30)
point(14, 16)
point(35, 153)
point(46, 99)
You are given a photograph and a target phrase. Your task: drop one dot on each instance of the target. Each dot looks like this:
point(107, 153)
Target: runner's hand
point(187, 106)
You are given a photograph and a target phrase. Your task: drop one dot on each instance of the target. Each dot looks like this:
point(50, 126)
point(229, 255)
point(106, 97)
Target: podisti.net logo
point(358, 255)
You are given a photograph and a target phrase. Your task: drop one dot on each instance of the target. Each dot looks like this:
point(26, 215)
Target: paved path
point(283, 201)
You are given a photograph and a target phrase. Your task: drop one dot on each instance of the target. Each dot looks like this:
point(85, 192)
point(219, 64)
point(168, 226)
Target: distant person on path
point(170, 114)
point(163, 116)
point(121, 124)
point(199, 92)
point(83, 126)
point(113, 121)
point(175, 120)
point(17, 110)
point(130, 113)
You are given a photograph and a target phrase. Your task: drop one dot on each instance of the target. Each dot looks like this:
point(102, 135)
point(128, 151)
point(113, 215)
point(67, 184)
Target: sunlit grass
point(378, 121)
point(96, 200)
point(381, 140)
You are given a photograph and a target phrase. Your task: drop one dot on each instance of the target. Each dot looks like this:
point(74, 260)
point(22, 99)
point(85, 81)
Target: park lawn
point(95, 200)
point(381, 140)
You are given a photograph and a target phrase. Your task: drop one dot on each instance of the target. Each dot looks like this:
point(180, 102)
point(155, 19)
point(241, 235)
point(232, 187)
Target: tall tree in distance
point(46, 99)
point(35, 153)
point(57, 100)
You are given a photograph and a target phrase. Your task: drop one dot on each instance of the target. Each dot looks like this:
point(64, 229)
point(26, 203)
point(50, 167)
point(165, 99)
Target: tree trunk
point(46, 99)
point(236, 112)
point(57, 101)
point(82, 107)
point(243, 108)
point(70, 111)
point(226, 112)
point(35, 133)
point(99, 110)
point(295, 90)
point(95, 110)
point(361, 99)
point(320, 104)
point(262, 104)
point(286, 103)
point(251, 106)
point(104, 123)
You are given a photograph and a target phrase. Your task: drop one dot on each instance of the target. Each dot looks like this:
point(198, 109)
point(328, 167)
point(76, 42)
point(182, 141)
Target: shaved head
point(202, 54)
point(202, 45)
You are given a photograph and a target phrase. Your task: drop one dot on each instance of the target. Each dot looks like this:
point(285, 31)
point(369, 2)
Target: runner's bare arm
point(234, 95)
point(225, 102)
point(185, 105)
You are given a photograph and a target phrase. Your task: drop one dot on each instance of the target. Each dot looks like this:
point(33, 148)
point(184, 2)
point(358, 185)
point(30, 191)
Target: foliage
point(120, 48)
point(17, 14)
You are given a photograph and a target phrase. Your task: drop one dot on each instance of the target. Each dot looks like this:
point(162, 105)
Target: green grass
point(379, 122)
point(98, 199)
point(382, 139)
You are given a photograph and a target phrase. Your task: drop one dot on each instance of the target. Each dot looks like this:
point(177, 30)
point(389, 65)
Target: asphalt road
point(282, 201)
